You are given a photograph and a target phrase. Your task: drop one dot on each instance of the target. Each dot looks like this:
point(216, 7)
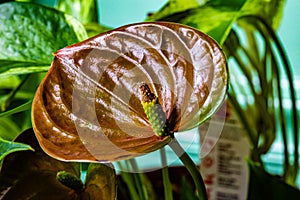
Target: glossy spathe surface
point(88, 106)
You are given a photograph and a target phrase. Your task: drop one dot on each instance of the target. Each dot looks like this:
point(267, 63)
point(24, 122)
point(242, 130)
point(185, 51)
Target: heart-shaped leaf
point(89, 107)
point(33, 175)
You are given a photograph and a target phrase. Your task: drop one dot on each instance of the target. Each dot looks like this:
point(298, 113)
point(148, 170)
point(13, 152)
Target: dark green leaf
point(21, 108)
point(32, 175)
point(30, 33)
point(171, 7)
point(93, 29)
point(265, 186)
point(7, 147)
point(13, 67)
point(9, 129)
point(38, 185)
point(215, 19)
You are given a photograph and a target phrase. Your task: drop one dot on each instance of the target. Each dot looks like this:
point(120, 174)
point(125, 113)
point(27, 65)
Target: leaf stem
point(191, 167)
point(288, 70)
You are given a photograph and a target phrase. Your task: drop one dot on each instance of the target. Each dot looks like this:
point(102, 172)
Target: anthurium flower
point(90, 105)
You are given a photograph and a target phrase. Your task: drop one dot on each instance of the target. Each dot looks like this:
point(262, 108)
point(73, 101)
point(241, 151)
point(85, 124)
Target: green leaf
point(214, 18)
point(7, 147)
point(26, 174)
point(265, 186)
point(31, 33)
point(269, 10)
point(21, 108)
point(8, 128)
point(173, 6)
point(10, 68)
point(87, 13)
point(95, 29)
point(8, 83)
point(216, 21)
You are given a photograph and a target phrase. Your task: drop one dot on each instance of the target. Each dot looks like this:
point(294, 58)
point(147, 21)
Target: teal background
point(289, 32)
point(115, 13)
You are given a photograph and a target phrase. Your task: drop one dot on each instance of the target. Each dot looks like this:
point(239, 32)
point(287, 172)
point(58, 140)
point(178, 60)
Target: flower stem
point(138, 177)
point(191, 167)
point(165, 174)
point(129, 180)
